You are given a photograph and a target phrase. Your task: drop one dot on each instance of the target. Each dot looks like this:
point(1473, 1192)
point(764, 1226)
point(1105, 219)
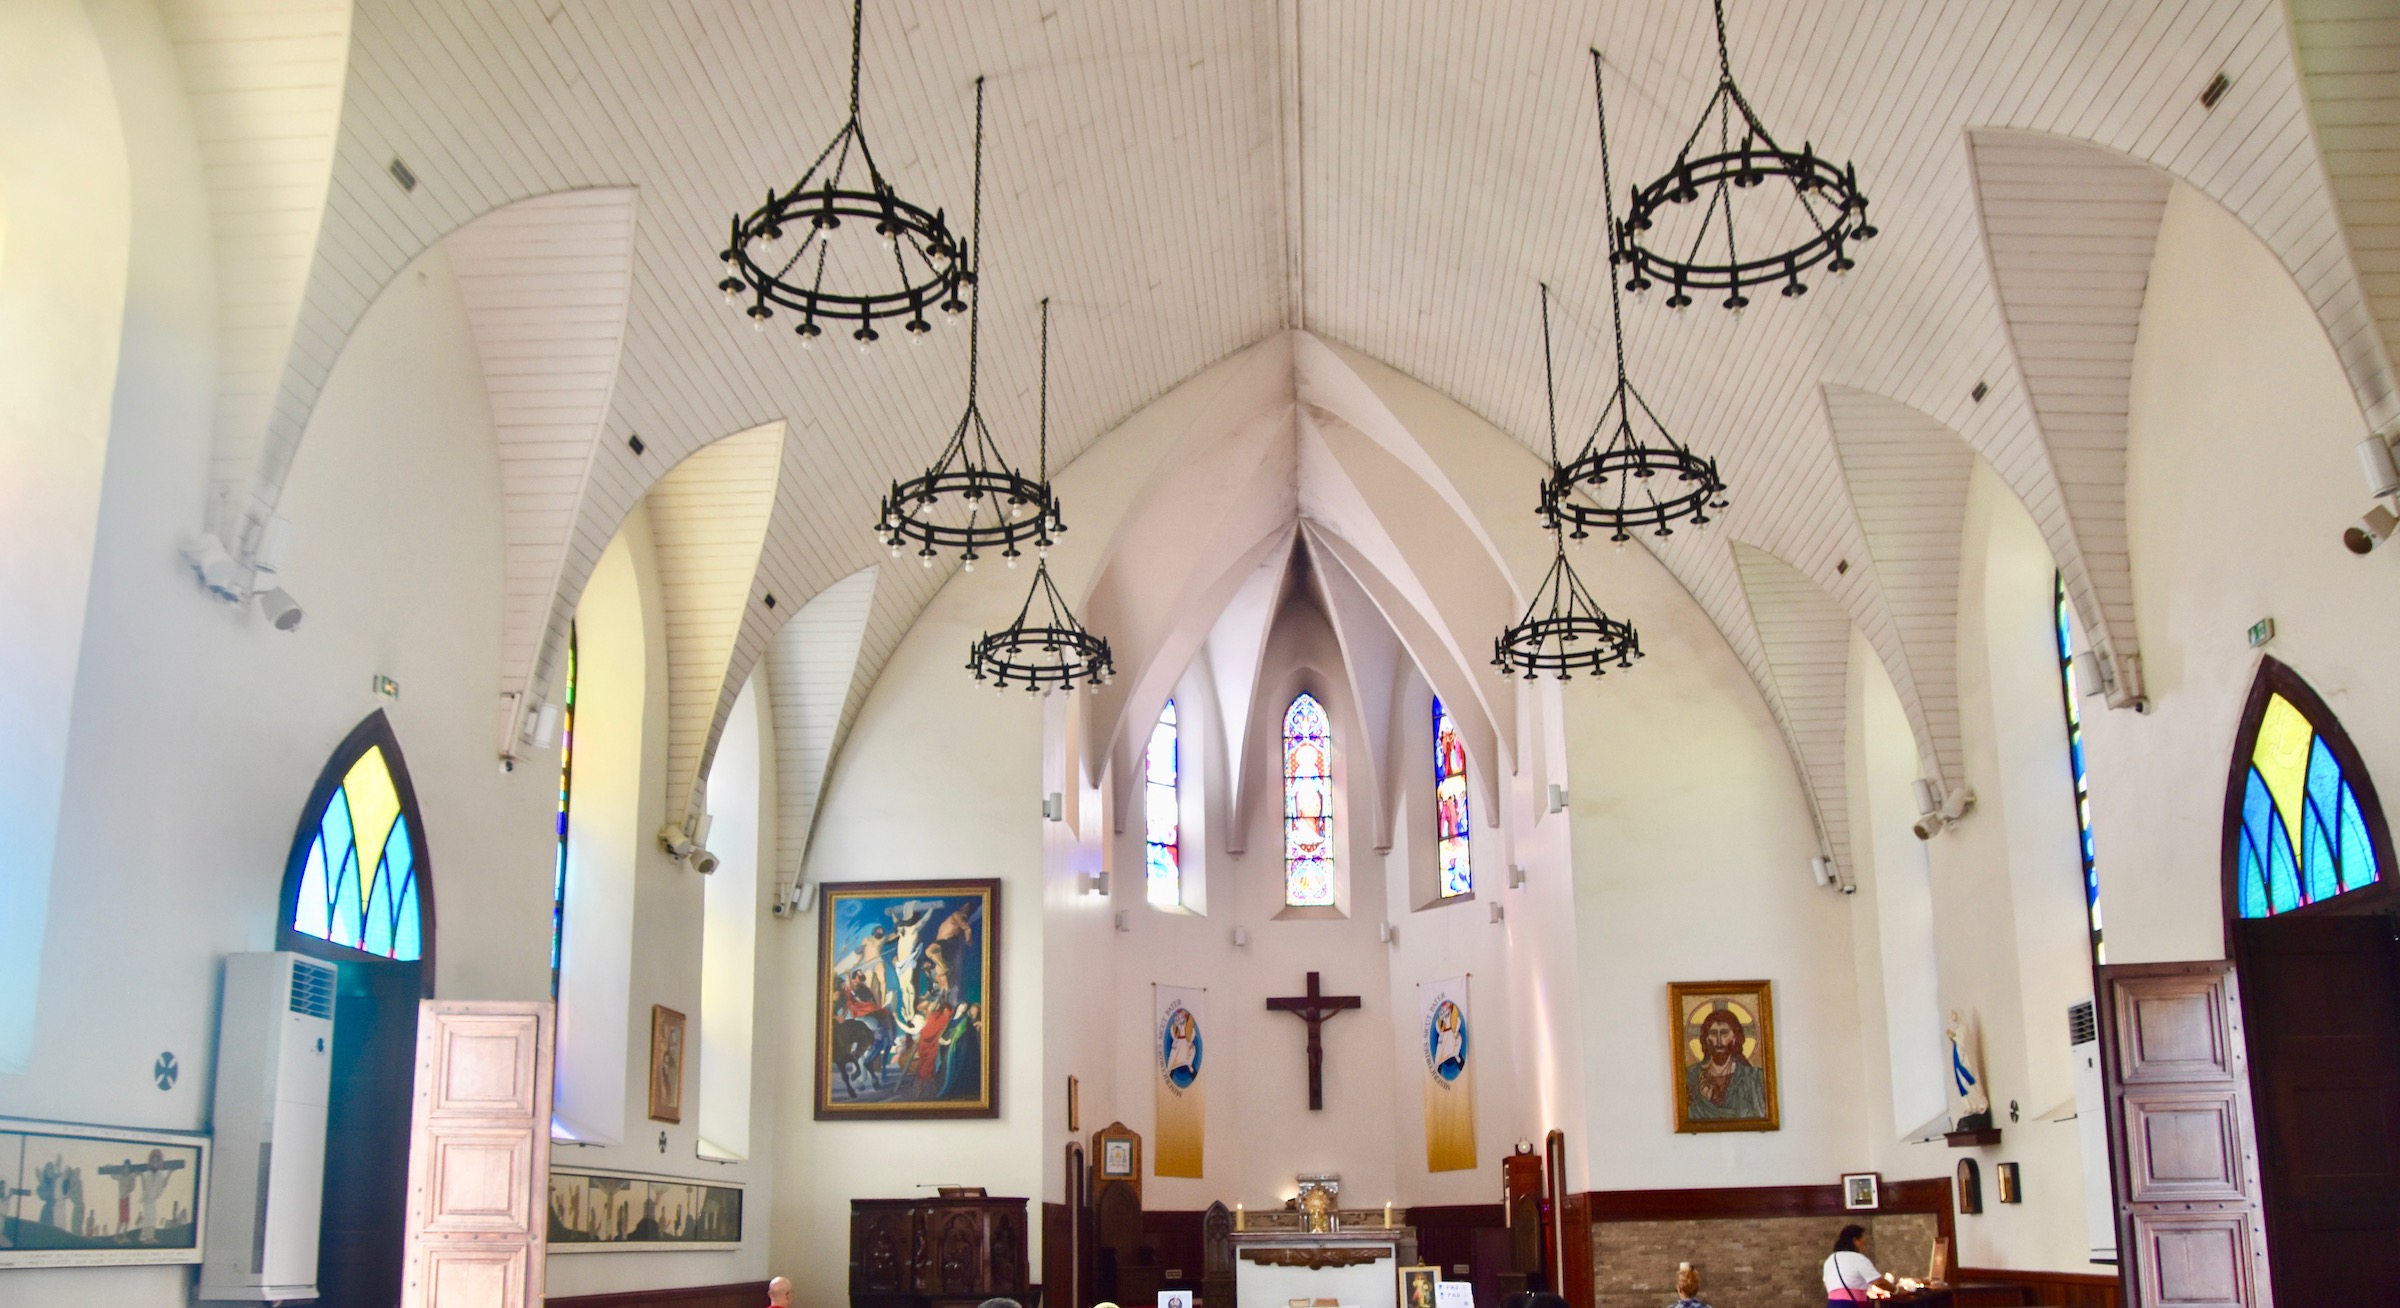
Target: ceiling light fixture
point(1625, 481)
point(1571, 631)
point(1832, 211)
point(1051, 651)
point(970, 498)
point(797, 229)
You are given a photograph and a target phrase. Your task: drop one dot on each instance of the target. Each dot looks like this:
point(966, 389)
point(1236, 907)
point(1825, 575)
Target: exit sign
point(2261, 632)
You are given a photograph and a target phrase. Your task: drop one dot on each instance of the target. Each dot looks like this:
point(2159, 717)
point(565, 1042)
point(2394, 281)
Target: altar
point(1357, 1267)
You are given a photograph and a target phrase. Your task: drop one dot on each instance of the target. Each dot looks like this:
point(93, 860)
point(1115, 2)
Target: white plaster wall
point(199, 730)
point(2241, 476)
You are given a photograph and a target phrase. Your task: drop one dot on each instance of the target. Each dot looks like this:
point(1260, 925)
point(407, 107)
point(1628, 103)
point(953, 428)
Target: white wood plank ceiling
point(811, 666)
point(546, 282)
point(1187, 176)
point(1806, 636)
point(2350, 57)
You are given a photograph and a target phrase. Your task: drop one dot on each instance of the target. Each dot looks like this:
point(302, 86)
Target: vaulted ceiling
point(1187, 177)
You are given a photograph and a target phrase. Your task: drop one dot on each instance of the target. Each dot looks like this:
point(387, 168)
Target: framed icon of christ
point(908, 999)
point(1723, 1042)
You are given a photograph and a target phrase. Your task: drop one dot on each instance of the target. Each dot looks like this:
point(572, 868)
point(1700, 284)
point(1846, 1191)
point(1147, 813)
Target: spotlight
point(701, 861)
point(2375, 528)
point(278, 607)
point(672, 840)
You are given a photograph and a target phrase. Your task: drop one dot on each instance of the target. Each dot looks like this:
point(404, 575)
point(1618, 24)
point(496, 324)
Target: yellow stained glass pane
point(2281, 756)
point(374, 804)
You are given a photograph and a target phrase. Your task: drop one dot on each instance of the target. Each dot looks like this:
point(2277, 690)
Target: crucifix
point(1313, 1008)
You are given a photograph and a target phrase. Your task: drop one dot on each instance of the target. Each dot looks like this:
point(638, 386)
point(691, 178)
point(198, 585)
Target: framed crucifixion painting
point(908, 999)
point(1723, 1035)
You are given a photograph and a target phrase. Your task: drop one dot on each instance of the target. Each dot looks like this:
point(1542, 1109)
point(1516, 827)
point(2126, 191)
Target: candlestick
point(1387, 1214)
point(1237, 1217)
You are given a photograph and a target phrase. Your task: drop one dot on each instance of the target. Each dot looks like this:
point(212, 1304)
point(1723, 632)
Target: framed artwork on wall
point(1862, 1190)
point(1722, 1037)
point(2009, 1193)
point(666, 1064)
point(1970, 1187)
point(908, 999)
point(99, 1196)
point(1418, 1286)
point(628, 1212)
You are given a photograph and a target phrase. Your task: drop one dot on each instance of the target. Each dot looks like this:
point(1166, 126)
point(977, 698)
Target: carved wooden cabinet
point(937, 1253)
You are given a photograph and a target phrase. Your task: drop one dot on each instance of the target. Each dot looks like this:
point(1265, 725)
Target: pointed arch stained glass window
point(1450, 804)
point(1307, 805)
point(1161, 814)
point(566, 792)
point(358, 886)
point(2061, 617)
point(2304, 835)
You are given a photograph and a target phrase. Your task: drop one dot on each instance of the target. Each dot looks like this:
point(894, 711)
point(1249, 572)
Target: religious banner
point(1449, 1075)
point(1181, 1097)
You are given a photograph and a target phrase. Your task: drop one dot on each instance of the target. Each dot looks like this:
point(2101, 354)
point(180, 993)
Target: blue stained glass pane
point(345, 901)
point(2253, 884)
point(310, 912)
point(407, 942)
point(2358, 853)
point(2319, 865)
point(2283, 870)
point(400, 871)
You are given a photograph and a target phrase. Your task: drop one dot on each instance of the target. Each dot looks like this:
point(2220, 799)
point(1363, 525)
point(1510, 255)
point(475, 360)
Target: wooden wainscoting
point(746, 1294)
point(1751, 1244)
point(2062, 1289)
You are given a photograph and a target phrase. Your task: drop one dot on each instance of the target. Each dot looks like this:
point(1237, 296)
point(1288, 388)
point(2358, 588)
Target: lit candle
point(1237, 1217)
point(1387, 1212)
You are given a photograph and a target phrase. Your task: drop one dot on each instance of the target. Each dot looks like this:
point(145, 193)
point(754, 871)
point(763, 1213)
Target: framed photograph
point(908, 999)
point(1723, 1041)
point(666, 1064)
point(629, 1212)
point(99, 1196)
point(1419, 1286)
point(1862, 1190)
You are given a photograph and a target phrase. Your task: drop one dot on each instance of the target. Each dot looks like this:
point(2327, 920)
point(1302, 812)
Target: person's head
point(779, 1292)
point(1850, 1239)
point(999, 1303)
point(1687, 1280)
point(1721, 1036)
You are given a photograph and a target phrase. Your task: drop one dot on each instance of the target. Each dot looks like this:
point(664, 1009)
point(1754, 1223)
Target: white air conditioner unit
point(2091, 1127)
point(274, 1070)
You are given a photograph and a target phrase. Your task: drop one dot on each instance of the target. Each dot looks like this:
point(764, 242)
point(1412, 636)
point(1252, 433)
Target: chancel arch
point(2304, 827)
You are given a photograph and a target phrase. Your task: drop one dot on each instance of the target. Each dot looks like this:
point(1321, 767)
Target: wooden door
point(479, 1156)
point(2181, 1143)
point(365, 1219)
point(2324, 998)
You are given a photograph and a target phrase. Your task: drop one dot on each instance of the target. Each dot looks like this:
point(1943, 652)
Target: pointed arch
point(359, 881)
point(1308, 868)
point(2303, 825)
point(1452, 825)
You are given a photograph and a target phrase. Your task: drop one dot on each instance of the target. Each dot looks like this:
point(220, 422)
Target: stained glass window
point(1307, 804)
point(566, 787)
point(1450, 803)
point(2083, 789)
point(2304, 836)
point(358, 885)
point(1163, 874)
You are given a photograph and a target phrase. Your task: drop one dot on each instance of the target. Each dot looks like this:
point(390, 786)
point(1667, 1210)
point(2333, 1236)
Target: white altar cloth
point(1354, 1268)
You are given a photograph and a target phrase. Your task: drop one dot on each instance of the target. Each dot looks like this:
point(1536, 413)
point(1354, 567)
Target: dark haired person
point(1724, 1085)
point(1849, 1275)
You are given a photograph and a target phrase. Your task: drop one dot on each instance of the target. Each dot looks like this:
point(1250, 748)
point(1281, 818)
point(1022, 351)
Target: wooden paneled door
point(2324, 997)
point(479, 1156)
point(2189, 1227)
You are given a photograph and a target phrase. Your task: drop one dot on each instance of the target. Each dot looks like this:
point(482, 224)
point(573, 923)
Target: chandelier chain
point(858, 22)
point(1042, 473)
point(975, 255)
point(1550, 375)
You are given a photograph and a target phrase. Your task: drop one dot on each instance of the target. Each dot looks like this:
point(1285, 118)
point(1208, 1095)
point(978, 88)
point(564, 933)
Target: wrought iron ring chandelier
point(1624, 481)
point(970, 499)
point(1571, 630)
point(1050, 652)
point(1833, 208)
point(781, 253)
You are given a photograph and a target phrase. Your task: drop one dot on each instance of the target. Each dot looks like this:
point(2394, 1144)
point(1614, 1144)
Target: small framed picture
point(1116, 1159)
point(1174, 1299)
point(2009, 1193)
point(1419, 1286)
point(1970, 1187)
point(1862, 1190)
point(666, 1064)
point(1074, 1104)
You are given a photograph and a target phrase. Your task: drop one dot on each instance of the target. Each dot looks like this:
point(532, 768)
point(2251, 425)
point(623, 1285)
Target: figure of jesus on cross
point(1313, 1008)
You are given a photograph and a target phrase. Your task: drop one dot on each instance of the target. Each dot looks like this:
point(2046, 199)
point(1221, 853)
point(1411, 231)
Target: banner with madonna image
point(1445, 1037)
point(1181, 1097)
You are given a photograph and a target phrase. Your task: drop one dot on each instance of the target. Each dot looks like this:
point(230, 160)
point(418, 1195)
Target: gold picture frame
point(1721, 1047)
point(1417, 1286)
point(667, 1048)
